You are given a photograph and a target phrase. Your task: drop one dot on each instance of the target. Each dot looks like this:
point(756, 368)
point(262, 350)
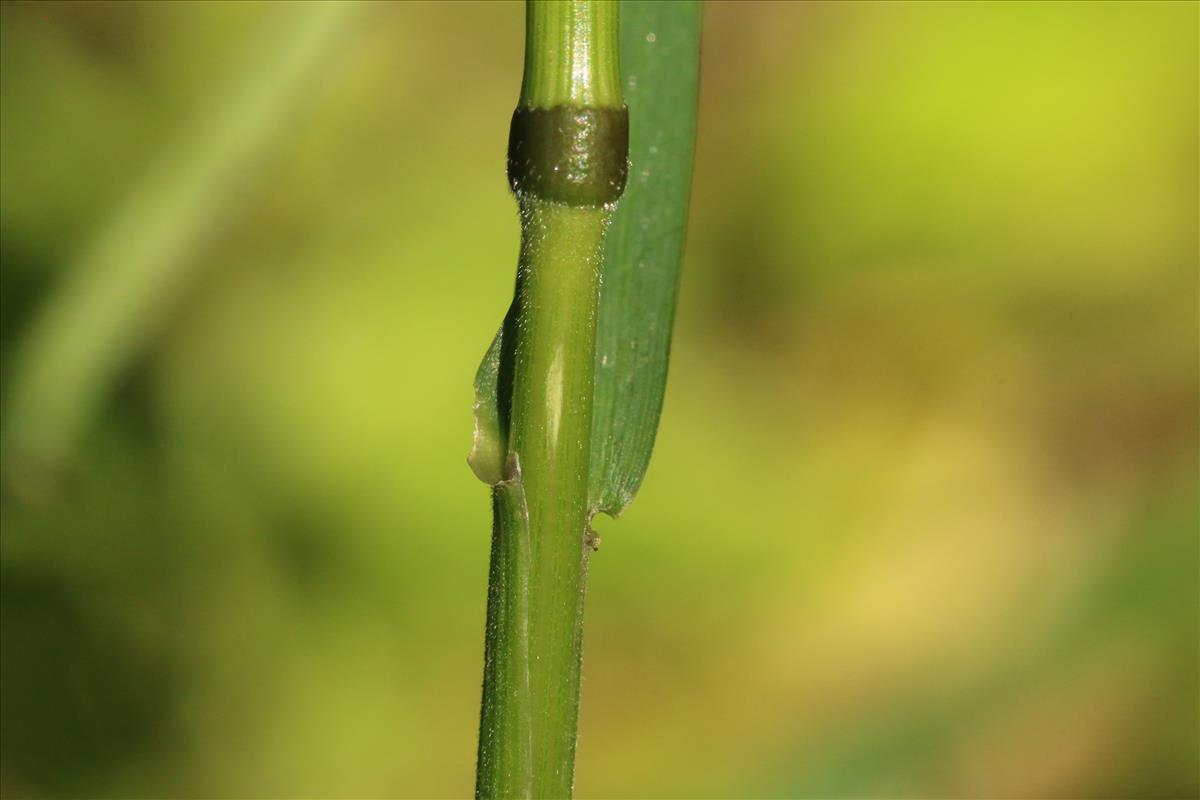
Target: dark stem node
point(571, 155)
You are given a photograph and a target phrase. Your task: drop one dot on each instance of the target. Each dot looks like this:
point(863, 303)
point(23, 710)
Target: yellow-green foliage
point(922, 513)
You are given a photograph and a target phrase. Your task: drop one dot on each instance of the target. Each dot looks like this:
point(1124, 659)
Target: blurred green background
point(922, 517)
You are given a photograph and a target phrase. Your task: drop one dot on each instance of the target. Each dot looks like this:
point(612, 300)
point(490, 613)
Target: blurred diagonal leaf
point(135, 268)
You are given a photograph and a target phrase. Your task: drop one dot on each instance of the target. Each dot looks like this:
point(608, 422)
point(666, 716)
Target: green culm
point(569, 393)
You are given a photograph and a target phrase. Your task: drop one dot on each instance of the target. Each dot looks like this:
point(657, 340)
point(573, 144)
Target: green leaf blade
point(660, 48)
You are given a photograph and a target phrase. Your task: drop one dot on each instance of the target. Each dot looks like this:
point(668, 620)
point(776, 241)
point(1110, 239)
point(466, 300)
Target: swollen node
point(575, 156)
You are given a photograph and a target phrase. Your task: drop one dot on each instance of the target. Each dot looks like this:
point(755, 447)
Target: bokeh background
point(922, 518)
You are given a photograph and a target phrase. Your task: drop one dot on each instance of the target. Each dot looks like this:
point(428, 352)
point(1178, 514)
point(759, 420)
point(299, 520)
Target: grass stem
point(567, 164)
